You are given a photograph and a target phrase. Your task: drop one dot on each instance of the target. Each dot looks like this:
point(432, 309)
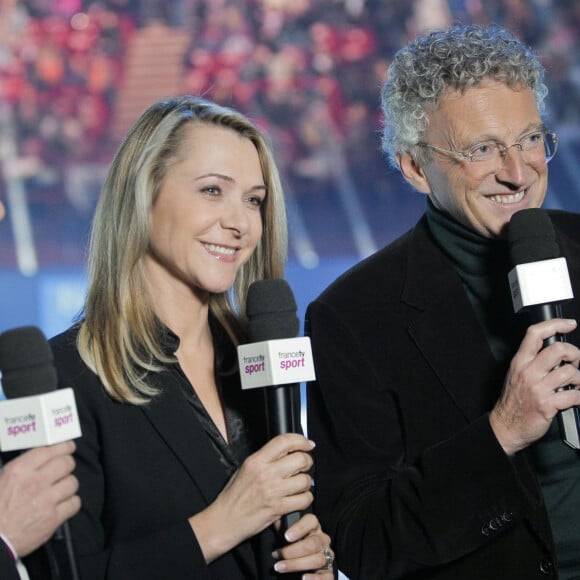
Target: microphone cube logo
point(38, 420)
point(540, 282)
point(276, 362)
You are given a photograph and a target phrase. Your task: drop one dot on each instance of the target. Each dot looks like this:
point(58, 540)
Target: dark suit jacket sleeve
point(7, 564)
point(389, 514)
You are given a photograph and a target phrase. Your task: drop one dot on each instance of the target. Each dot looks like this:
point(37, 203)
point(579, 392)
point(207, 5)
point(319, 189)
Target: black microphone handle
point(282, 414)
point(543, 312)
point(282, 409)
point(569, 419)
point(63, 550)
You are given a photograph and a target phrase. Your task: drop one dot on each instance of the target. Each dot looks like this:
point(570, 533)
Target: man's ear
point(413, 173)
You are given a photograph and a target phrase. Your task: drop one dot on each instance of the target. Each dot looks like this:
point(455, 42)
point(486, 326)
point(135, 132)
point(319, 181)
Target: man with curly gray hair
point(438, 454)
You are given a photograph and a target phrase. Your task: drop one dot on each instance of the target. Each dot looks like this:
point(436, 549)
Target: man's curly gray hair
point(455, 59)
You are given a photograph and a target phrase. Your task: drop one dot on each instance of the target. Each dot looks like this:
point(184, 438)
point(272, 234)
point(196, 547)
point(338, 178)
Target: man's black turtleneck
point(483, 266)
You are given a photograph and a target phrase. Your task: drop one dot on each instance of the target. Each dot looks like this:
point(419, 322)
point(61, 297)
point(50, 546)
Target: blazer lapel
point(436, 298)
point(172, 417)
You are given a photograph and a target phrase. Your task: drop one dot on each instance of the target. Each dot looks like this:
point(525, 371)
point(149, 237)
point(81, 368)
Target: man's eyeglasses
point(534, 146)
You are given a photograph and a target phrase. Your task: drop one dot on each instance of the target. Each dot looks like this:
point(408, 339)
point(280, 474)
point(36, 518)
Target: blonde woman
point(176, 478)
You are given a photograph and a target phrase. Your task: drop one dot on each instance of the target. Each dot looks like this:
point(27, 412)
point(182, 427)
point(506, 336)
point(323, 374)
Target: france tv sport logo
point(276, 362)
point(37, 420)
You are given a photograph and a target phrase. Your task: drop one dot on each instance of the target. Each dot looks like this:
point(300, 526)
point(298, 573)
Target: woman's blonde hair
point(120, 337)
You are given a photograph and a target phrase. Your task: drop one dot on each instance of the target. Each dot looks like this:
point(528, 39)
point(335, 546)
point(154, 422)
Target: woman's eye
point(255, 200)
point(212, 190)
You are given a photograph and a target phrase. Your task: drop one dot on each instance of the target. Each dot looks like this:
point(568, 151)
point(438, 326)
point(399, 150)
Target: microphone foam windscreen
point(531, 237)
point(271, 310)
point(26, 363)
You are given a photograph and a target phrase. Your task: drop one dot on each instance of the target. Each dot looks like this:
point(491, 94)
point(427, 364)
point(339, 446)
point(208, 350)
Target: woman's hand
point(308, 550)
point(270, 483)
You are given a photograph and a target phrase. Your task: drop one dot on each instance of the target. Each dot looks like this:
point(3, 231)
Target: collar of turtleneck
point(483, 265)
point(470, 252)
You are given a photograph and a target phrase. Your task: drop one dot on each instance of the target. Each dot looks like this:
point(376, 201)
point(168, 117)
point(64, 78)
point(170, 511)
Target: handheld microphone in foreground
point(539, 283)
point(276, 357)
point(37, 414)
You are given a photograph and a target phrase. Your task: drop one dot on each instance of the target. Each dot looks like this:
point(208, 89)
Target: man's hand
point(37, 494)
point(530, 399)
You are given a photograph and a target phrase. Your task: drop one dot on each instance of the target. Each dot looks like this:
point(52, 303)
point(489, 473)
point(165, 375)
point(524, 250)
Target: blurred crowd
point(309, 71)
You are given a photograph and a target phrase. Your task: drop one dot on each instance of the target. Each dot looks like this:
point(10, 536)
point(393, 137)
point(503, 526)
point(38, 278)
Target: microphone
point(539, 283)
point(276, 358)
point(37, 414)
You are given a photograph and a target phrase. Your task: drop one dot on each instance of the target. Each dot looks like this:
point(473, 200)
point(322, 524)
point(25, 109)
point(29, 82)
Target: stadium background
point(75, 74)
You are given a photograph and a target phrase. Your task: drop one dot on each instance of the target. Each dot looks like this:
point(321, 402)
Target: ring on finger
point(329, 558)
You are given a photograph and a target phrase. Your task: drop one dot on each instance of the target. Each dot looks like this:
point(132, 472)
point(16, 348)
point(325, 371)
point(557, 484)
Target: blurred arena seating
point(74, 75)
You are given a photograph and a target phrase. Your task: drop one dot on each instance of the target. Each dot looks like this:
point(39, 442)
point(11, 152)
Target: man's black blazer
point(410, 479)
point(7, 564)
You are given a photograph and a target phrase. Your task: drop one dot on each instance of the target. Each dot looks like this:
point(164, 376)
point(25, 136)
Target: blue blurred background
point(75, 74)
